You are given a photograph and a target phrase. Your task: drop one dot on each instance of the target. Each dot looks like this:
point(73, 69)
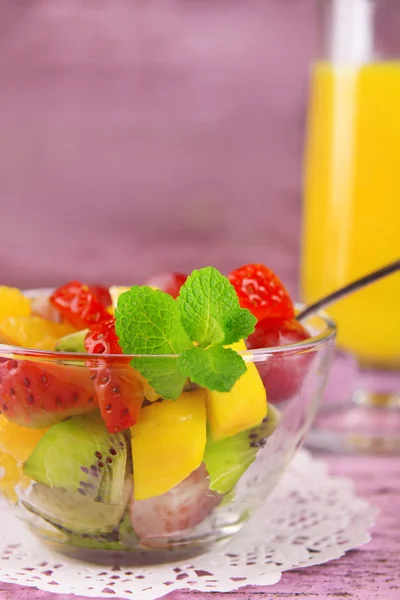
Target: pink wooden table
point(371, 573)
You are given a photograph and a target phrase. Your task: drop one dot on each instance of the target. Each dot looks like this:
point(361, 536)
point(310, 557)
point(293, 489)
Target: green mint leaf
point(210, 311)
point(239, 325)
point(162, 374)
point(148, 322)
point(216, 368)
point(205, 300)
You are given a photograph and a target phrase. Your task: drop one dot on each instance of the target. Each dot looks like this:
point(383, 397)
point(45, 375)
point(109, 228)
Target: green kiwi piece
point(74, 342)
point(226, 460)
point(74, 513)
point(80, 456)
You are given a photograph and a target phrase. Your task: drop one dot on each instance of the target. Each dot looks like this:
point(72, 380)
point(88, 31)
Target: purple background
point(141, 136)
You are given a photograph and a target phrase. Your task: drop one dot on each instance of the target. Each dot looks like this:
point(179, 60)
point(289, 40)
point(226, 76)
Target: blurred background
point(140, 136)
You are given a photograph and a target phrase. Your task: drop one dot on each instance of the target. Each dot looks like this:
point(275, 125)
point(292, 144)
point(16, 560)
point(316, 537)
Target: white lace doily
point(311, 518)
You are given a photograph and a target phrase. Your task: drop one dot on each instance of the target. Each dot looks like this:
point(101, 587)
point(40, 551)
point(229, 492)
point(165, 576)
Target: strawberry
point(282, 374)
point(78, 305)
point(158, 519)
point(41, 394)
point(262, 292)
point(102, 294)
point(118, 387)
point(119, 393)
point(102, 338)
point(168, 282)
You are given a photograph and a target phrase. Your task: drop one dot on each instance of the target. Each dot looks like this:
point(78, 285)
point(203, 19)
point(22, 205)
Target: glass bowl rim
point(325, 336)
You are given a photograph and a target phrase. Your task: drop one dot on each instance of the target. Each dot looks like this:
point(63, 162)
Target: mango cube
point(168, 443)
point(245, 406)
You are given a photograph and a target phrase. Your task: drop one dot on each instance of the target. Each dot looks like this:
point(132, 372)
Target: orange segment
point(16, 445)
point(10, 476)
point(18, 442)
point(33, 332)
point(13, 303)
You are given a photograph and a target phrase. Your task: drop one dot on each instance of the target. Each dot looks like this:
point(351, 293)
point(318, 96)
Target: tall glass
point(352, 212)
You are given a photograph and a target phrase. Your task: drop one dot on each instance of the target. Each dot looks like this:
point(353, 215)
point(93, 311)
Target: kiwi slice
point(74, 342)
point(73, 512)
point(80, 456)
point(226, 460)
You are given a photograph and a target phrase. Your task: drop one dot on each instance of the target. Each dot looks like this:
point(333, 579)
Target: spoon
point(354, 286)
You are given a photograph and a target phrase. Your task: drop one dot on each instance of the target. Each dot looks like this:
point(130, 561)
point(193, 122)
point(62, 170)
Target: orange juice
point(352, 202)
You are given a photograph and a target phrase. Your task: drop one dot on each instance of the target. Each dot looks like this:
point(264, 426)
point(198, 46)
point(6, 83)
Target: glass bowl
point(184, 479)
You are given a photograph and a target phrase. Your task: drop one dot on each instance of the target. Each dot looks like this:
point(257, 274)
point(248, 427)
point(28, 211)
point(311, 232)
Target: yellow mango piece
point(18, 442)
point(33, 332)
point(245, 406)
point(10, 476)
point(13, 303)
point(168, 443)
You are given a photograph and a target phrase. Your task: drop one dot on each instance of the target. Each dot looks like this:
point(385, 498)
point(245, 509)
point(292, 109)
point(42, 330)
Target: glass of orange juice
point(351, 219)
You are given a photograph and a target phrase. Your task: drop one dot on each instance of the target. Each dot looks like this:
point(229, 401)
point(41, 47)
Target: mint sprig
point(148, 322)
point(216, 368)
point(210, 310)
point(194, 328)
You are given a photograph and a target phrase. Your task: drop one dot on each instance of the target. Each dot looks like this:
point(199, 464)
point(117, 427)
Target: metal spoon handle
point(349, 289)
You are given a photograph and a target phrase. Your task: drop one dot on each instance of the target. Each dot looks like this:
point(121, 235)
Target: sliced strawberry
point(102, 294)
point(158, 519)
point(262, 292)
point(282, 374)
point(78, 305)
point(40, 394)
point(119, 393)
point(119, 388)
point(168, 282)
point(102, 338)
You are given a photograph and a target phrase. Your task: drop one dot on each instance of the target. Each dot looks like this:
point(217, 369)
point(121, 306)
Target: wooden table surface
point(370, 573)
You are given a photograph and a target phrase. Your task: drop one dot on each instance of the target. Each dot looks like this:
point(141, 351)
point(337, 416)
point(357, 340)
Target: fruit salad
point(130, 416)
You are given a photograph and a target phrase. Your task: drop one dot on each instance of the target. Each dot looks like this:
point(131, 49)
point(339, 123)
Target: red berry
point(262, 292)
point(78, 305)
point(274, 332)
point(102, 294)
point(157, 519)
point(118, 387)
point(40, 394)
point(102, 338)
point(168, 282)
point(282, 373)
point(119, 393)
